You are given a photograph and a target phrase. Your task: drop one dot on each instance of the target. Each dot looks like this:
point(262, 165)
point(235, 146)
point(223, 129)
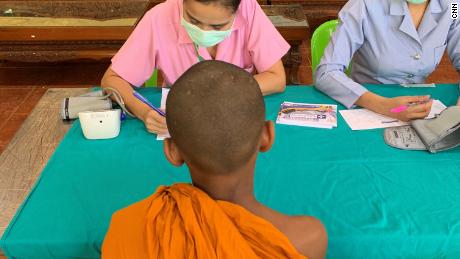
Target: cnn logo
point(454, 11)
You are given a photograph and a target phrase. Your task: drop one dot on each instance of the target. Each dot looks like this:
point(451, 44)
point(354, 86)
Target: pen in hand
point(404, 107)
point(144, 100)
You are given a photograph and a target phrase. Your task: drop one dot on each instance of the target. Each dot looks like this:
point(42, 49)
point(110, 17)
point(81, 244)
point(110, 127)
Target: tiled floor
point(16, 102)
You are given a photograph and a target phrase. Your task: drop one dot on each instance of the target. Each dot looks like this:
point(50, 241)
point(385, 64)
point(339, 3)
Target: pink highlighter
point(399, 109)
point(404, 107)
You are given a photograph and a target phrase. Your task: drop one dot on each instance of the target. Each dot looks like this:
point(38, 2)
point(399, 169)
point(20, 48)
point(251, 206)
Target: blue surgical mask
point(416, 1)
point(204, 38)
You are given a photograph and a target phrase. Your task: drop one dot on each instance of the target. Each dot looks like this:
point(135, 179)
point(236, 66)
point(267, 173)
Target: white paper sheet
point(164, 96)
point(363, 119)
point(436, 108)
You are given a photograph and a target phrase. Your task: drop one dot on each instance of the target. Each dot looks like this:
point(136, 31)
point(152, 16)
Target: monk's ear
point(172, 152)
point(267, 136)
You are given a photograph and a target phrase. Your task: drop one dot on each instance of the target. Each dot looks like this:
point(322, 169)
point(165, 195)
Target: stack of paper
point(362, 119)
point(308, 115)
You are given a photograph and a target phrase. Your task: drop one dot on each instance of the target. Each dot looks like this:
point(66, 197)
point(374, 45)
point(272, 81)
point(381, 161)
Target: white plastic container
point(100, 124)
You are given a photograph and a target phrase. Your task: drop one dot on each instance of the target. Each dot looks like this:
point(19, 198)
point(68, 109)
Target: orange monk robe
point(182, 221)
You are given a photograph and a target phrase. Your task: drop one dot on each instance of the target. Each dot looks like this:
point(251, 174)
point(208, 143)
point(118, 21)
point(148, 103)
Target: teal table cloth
point(376, 201)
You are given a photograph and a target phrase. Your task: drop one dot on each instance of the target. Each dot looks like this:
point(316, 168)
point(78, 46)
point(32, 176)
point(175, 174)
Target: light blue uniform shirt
point(386, 47)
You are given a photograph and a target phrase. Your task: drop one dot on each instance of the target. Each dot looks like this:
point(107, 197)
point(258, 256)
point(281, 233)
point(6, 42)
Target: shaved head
point(215, 115)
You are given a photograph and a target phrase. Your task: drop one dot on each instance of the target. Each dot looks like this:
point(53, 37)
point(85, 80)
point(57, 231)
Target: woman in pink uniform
point(176, 34)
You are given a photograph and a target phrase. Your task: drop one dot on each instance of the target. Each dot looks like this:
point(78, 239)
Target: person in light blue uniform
point(388, 42)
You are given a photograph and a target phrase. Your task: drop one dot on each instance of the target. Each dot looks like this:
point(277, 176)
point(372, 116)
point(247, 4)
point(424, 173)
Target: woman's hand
point(418, 107)
point(458, 103)
point(154, 122)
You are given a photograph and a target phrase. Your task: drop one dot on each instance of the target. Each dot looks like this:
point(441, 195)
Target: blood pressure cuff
point(436, 134)
point(93, 101)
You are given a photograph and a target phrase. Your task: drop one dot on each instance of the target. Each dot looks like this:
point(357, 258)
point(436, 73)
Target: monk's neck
point(236, 187)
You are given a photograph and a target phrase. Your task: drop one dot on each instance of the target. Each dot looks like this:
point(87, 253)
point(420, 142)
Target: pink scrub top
point(160, 42)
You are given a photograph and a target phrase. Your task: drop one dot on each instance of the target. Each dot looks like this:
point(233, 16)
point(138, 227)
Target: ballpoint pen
point(144, 100)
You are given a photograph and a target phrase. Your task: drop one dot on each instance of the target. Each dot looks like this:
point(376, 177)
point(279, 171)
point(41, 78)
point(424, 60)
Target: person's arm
point(272, 80)
point(154, 122)
point(453, 47)
point(132, 66)
point(314, 238)
point(330, 76)
point(266, 47)
point(331, 79)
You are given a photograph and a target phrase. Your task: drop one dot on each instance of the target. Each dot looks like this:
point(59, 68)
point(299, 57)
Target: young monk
point(216, 118)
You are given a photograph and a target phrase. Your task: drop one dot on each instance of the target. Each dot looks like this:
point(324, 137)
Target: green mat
point(376, 201)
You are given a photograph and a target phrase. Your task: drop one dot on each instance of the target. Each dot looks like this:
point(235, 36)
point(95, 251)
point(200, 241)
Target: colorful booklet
point(308, 115)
